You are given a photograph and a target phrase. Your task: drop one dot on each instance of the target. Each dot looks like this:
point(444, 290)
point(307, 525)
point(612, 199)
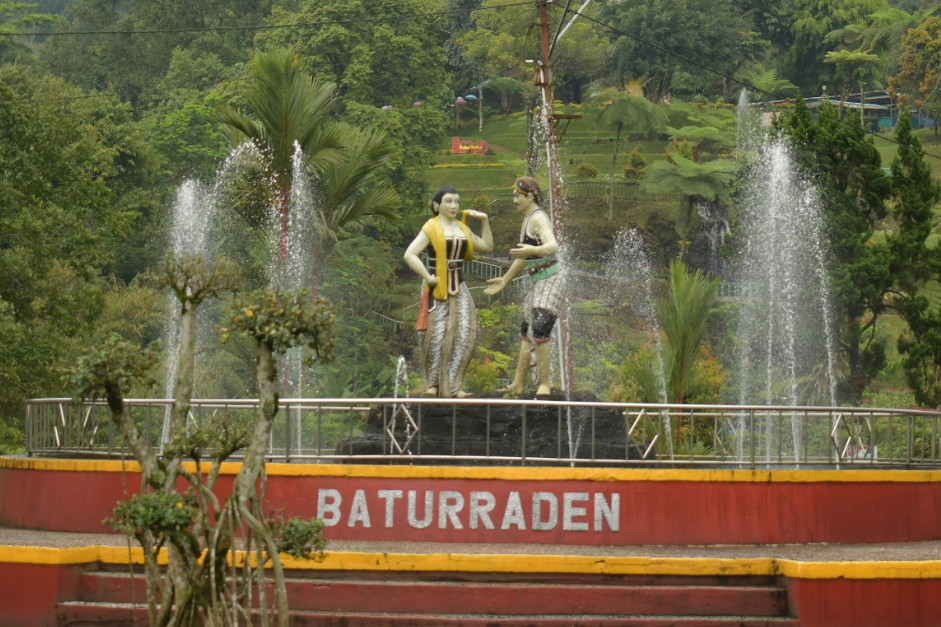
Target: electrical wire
point(741, 82)
point(256, 27)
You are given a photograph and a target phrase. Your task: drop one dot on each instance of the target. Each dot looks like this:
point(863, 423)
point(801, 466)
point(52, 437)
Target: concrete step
point(82, 614)
point(490, 598)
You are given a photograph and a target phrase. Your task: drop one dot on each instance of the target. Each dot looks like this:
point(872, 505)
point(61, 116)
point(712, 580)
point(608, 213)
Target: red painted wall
point(866, 602)
point(29, 593)
point(651, 512)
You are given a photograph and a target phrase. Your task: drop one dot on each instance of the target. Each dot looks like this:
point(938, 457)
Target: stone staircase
point(384, 599)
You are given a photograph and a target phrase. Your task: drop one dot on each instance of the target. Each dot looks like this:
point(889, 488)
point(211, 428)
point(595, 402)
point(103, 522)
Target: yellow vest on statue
point(435, 232)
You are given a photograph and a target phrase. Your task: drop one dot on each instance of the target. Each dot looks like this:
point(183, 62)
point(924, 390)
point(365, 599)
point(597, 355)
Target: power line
point(741, 82)
point(255, 27)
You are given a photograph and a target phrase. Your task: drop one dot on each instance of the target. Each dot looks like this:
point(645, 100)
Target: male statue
point(536, 254)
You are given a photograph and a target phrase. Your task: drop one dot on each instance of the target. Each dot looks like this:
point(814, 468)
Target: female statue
point(447, 317)
point(536, 254)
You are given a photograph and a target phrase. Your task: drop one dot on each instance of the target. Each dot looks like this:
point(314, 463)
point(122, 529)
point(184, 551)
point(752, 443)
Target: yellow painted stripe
point(511, 474)
point(510, 563)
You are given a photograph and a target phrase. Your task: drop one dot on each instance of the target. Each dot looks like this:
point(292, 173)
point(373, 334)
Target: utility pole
point(544, 82)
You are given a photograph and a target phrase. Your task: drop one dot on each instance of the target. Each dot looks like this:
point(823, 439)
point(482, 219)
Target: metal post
point(287, 433)
point(453, 430)
point(149, 430)
point(659, 431)
point(751, 434)
point(29, 430)
point(319, 422)
point(544, 81)
point(691, 425)
point(910, 437)
point(804, 430)
point(891, 455)
point(384, 427)
point(717, 442)
point(924, 434)
point(592, 434)
point(419, 429)
point(488, 429)
point(524, 436)
point(627, 436)
point(780, 430)
point(558, 439)
point(110, 435)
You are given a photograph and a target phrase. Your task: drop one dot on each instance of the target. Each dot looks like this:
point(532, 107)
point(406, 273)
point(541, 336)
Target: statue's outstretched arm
point(499, 284)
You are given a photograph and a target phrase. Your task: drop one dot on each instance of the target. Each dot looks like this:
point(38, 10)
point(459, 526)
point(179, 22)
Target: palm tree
point(290, 108)
point(353, 187)
point(853, 61)
point(684, 316)
point(767, 82)
point(704, 139)
point(706, 181)
point(620, 110)
point(880, 32)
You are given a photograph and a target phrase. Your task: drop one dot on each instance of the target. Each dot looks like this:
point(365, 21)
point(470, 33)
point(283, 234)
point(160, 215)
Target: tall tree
point(915, 265)
point(855, 190)
point(377, 65)
point(804, 61)
point(918, 83)
point(710, 32)
point(134, 64)
point(500, 45)
point(695, 181)
point(74, 176)
point(18, 17)
point(290, 109)
point(623, 112)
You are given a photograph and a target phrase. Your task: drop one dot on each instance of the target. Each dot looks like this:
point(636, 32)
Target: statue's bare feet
point(543, 390)
point(515, 390)
point(432, 391)
point(463, 394)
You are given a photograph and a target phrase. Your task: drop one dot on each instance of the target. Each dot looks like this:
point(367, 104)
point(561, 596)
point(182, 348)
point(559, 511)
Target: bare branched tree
point(179, 508)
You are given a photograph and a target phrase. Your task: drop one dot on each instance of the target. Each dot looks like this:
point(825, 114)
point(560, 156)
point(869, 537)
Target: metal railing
point(517, 431)
point(483, 269)
point(600, 188)
point(732, 290)
point(387, 324)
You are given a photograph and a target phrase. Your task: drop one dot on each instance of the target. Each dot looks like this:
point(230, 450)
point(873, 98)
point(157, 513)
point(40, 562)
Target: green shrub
point(11, 440)
point(637, 159)
point(586, 171)
point(488, 318)
point(482, 375)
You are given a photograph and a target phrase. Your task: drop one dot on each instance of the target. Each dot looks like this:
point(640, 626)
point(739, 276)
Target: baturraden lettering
point(448, 509)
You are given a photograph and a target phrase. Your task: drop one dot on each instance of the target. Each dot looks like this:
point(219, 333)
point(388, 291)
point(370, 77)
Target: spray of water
point(191, 220)
point(785, 325)
point(631, 279)
point(748, 124)
point(401, 386)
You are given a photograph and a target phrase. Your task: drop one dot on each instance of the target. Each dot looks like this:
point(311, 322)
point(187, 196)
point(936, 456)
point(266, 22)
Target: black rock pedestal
point(495, 431)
